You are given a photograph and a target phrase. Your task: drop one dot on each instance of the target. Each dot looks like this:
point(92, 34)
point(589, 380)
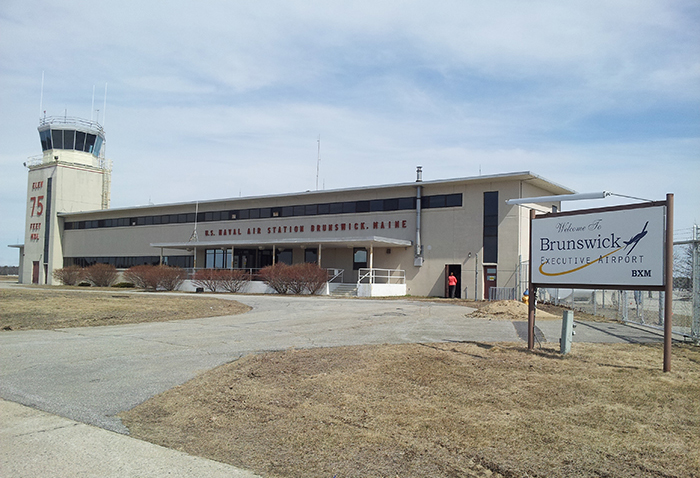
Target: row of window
point(257, 259)
point(214, 259)
point(348, 207)
point(129, 261)
point(70, 139)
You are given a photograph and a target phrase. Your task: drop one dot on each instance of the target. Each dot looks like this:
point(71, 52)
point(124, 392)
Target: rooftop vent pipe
point(418, 258)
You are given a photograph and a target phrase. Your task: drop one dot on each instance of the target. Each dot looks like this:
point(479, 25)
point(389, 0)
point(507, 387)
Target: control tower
point(71, 175)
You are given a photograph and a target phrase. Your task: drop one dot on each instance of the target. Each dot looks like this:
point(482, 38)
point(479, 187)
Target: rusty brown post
point(668, 299)
point(532, 293)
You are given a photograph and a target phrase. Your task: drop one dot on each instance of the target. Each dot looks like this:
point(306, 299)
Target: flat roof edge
point(521, 175)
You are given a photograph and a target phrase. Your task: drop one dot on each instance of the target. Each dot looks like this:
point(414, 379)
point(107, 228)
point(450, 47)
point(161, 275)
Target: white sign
point(608, 248)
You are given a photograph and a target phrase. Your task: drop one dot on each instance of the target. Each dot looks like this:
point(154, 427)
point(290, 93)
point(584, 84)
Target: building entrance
point(455, 269)
point(489, 280)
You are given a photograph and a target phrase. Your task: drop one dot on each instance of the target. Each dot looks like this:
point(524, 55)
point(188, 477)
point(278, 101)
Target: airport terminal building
point(394, 239)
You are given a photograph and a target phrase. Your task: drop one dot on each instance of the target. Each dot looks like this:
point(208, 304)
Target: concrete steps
point(348, 290)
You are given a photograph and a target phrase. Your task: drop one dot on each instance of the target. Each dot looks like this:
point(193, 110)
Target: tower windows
point(70, 139)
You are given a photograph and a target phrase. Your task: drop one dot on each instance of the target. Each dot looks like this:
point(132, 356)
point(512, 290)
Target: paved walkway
point(37, 444)
point(89, 375)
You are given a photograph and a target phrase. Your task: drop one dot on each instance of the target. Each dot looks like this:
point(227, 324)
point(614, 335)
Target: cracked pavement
point(90, 374)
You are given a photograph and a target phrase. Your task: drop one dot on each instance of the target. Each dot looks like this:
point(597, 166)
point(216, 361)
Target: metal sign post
point(668, 297)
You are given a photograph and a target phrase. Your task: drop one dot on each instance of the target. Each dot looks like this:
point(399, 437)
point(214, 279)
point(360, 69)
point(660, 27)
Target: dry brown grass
point(451, 409)
point(416, 410)
point(42, 308)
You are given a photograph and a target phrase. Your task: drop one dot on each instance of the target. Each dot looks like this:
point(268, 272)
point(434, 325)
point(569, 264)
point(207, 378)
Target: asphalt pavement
point(83, 377)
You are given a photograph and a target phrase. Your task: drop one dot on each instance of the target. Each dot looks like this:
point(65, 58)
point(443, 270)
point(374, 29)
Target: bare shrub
point(276, 276)
point(171, 278)
point(234, 280)
point(156, 277)
point(297, 279)
point(142, 276)
point(101, 275)
point(210, 279)
point(70, 275)
point(314, 277)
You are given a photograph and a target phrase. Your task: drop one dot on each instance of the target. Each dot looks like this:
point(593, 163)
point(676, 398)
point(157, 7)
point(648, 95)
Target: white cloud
point(209, 99)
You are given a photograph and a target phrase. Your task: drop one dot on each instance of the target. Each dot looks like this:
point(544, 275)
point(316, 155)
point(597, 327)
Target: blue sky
point(217, 99)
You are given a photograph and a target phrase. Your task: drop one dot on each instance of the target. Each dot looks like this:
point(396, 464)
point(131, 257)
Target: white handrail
point(337, 273)
point(382, 276)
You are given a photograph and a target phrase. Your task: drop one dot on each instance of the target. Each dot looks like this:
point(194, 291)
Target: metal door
point(489, 279)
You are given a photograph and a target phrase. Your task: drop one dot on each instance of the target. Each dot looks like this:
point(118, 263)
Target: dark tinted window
point(361, 206)
point(311, 255)
point(454, 200)
point(491, 203)
point(57, 137)
point(491, 226)
point(433, 201)
point(69, 139)
point(89, 142)
point(359, 258)
point(375, 205)
point(45, 139)
point(407, 203)
point(284, 256)
point(80, 140)
point(391, 204)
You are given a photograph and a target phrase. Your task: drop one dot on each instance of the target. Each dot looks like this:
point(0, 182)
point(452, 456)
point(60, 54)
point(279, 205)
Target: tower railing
point(71, 120)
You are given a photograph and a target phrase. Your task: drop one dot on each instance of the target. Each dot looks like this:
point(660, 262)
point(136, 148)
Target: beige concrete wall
point(449, 235)
point(35, 222)
point(73, 188)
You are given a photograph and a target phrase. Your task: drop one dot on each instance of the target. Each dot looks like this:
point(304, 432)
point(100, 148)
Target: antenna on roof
point(318, 162)
point(193, 237)
point(41, 97)
point(104, 110)
point(92, 109)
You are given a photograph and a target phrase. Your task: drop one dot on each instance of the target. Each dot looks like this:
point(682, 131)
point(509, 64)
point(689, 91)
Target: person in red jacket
point(452, 282)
